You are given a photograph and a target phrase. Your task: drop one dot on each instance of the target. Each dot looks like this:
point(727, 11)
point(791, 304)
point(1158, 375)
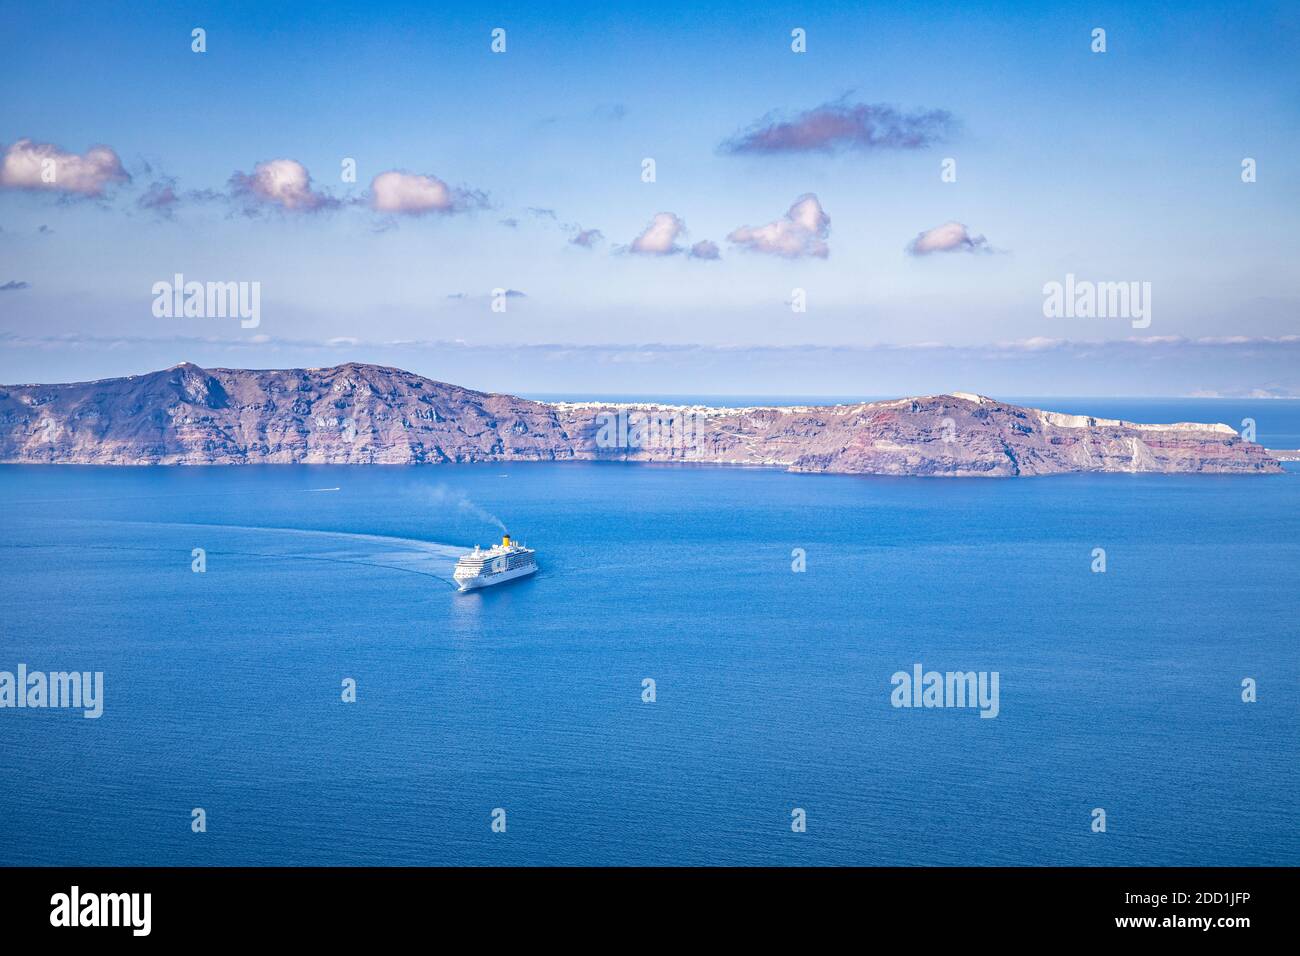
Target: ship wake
point(412, 555)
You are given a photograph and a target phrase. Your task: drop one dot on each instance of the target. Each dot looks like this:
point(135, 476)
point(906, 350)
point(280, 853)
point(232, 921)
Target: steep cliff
point(356, 413)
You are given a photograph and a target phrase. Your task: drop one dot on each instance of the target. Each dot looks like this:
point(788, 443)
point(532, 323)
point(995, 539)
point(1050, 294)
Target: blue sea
point(1119, 691)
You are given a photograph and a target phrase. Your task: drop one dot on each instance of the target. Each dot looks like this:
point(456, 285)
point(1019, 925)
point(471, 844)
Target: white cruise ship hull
point(486, 580)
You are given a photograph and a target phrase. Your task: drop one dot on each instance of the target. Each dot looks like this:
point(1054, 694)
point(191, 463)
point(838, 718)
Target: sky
point(878, 214)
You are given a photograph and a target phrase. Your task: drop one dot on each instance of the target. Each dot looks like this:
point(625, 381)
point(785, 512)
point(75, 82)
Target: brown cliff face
point(356, 413)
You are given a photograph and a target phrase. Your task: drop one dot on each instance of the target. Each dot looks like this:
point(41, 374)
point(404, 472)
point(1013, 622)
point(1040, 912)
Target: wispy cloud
point(842, 126)
point(601, 113)
point(950, 237)
point(160, 198)
point(1256, 366)
point(705, 249)
point(466, 297)
point(45, 167)
point(587, 238)
point(609, 112)
point(801, 232)
point(1013, 346)
point(14, 285)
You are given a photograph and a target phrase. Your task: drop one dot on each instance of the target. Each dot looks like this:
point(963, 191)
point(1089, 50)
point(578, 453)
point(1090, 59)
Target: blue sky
point(1119, 166)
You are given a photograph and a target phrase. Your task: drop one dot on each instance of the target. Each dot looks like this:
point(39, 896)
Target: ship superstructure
point(495, 565)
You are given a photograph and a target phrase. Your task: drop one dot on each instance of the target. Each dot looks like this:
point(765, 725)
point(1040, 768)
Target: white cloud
point(659, 238)
point(802, 231)
point(704, 249)
point(950, 237)
point(281, 182)
point(28, 165)
point(415, 194)
point(409, 193)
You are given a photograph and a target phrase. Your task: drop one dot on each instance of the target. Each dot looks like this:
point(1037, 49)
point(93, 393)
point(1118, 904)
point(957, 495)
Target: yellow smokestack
point(505, 541)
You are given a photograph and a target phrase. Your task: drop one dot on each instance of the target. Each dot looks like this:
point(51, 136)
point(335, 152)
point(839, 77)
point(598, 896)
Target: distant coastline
point(368, 414)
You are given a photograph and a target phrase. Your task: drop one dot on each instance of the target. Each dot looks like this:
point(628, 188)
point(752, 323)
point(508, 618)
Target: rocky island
point(367, 414)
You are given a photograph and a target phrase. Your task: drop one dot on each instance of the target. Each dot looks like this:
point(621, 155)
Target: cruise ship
point(496, 565)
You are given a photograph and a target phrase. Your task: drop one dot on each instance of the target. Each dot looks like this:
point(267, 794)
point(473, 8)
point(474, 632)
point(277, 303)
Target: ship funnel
point(505, 541)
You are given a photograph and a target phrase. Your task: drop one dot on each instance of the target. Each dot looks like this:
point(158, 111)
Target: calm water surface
point(1119, 690)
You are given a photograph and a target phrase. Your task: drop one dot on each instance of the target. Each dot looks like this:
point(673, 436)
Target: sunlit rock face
point(356, 413)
